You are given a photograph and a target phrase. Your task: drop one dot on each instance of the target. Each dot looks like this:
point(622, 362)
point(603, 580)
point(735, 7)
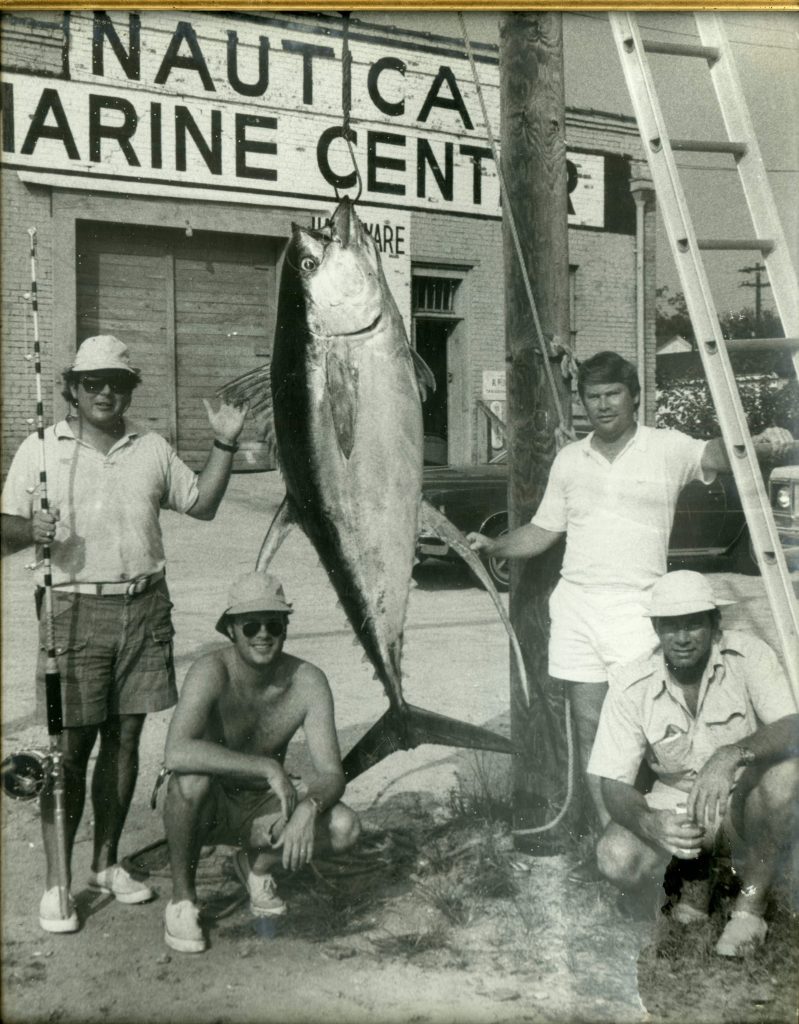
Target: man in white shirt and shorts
point(613, 495)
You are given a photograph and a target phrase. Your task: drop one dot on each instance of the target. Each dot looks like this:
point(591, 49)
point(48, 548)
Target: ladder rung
point(710, 53)
point(756, 344)
point(764, 245)
point(697, 146)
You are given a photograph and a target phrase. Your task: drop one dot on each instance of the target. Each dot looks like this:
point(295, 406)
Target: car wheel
point(498, 568)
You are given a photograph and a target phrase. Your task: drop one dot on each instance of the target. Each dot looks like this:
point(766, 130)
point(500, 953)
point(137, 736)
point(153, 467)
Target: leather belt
point(128, 588)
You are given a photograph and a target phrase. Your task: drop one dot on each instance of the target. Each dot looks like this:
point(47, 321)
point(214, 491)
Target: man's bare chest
point(262, 725)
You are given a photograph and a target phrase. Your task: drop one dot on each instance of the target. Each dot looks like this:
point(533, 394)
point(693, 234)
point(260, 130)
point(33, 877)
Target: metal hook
point(346, 104)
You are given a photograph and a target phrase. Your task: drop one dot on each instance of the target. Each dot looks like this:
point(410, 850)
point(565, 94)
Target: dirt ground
point(434, 919)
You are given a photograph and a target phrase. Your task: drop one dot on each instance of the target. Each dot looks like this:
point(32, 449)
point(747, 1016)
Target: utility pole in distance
point(758, 285)
point(535, 179)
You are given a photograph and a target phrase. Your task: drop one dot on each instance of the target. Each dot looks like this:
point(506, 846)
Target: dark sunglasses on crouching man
point(252, 627)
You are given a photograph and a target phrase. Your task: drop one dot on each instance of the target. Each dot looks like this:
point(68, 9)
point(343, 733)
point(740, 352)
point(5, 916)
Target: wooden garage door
point(195, 312)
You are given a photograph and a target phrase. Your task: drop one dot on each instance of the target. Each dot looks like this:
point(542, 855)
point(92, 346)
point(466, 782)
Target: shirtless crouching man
point(238, 709)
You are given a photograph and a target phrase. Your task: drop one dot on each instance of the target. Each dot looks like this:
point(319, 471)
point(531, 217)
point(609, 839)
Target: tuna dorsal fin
point(424, 375)
point(255, 387)
point(342, 386)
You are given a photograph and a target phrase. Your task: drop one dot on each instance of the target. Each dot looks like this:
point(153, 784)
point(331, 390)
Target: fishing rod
point(32, 773)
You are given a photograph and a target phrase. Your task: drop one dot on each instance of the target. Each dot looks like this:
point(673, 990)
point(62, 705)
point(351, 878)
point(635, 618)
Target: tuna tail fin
point(405, 727)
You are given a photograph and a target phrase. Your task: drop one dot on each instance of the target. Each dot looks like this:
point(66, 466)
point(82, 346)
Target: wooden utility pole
point(534, 169)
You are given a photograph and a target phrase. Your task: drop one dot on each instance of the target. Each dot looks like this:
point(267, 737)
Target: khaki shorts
point(245, 817)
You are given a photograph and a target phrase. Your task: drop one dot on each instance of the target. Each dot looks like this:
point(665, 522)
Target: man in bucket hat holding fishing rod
point(107, 481)
point(713, 715)
point(239, 707)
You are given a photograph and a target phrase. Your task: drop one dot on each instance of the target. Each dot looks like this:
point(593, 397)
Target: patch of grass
point(449, 897)
point(483, 790)
point(411, 944)
point(682, 977)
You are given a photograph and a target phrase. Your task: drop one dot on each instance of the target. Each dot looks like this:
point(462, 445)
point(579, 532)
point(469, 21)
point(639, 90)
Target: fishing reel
point(27, 774)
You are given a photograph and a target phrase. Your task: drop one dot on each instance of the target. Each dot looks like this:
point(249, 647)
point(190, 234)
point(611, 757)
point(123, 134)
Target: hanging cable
point(563, 432)
point(346, 102)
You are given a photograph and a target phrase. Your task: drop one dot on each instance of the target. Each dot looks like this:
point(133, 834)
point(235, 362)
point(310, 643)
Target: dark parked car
point(709, 534)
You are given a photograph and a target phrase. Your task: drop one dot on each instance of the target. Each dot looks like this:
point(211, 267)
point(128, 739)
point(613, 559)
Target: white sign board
point(494, 385)
point(248, 108)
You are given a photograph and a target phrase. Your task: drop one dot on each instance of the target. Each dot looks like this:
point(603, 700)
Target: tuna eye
point(308, 263)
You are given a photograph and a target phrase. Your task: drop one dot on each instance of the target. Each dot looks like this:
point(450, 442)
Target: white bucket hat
point(255, 592)
point(682, 593)
point(102, 352)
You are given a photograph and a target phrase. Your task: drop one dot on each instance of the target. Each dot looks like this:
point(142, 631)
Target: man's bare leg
point(765, 814)
point(586, 702)
point(113, 783)
point(187, 819)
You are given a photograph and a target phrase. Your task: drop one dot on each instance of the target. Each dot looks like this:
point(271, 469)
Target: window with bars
point(434, 294)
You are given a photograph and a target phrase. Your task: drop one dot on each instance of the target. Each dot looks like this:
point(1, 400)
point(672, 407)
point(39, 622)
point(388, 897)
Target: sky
point(766, 49)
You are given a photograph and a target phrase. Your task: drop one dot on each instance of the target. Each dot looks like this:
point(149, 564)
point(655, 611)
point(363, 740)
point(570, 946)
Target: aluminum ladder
point(714, 49)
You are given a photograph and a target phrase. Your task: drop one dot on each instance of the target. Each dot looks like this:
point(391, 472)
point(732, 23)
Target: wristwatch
point(745, 755)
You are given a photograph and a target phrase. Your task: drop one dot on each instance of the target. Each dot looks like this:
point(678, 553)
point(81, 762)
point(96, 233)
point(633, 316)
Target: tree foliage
point(768, 401)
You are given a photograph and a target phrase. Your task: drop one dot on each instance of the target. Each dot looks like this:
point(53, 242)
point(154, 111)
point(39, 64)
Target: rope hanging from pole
point(563, 432)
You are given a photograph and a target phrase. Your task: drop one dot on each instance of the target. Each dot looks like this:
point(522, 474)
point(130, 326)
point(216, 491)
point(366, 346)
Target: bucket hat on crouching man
point(255, 592)
point(682, 593)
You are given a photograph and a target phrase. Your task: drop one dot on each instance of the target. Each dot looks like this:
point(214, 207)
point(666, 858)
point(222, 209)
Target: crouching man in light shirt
point(713, 715)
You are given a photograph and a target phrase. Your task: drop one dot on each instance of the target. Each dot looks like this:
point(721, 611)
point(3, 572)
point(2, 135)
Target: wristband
point(224, 446)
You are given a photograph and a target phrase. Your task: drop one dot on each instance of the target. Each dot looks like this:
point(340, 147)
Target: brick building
point(162, 157)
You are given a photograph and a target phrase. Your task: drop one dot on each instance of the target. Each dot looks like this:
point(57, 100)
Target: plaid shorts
point(114, 655)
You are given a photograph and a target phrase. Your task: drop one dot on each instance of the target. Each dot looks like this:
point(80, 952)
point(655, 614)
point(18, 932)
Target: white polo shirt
point(617, 516)
point(645, 713)
point(108, 529)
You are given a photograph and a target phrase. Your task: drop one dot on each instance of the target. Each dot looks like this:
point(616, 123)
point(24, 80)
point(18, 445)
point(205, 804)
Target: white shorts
point(594, 629)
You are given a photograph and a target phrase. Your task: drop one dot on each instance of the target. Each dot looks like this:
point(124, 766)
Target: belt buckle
point(138, 586)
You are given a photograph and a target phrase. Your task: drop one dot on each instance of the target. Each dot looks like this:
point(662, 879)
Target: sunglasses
point(252, 627)
point(118, 385)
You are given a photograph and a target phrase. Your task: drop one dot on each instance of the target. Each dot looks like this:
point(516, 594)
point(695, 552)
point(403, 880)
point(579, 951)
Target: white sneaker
point(182, 930)
point(264, 900)
point(743, 934)
point(120, 884)
point(50, 917)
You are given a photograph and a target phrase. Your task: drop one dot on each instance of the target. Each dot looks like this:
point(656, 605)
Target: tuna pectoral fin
point(407, 727)
point(255, 387)
point(342, 385)
point(282, 522)
point(433, 521)
point(424, 375)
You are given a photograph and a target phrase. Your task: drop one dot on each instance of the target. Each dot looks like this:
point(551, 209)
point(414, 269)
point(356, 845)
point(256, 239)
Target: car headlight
point(782, 498)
